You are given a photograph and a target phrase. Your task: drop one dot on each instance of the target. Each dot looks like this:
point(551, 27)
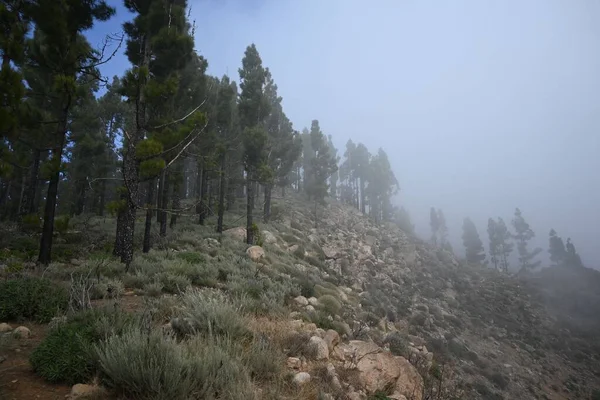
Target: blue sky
point(482, 106)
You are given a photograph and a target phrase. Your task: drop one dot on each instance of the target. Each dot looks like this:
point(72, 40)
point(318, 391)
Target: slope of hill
point(341, 308)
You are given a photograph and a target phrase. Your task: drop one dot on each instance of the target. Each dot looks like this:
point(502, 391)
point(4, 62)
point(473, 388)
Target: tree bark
point(159, 199)
point(177, 186)
point(148, 224)
point(164, 203)
point(222, 191)
point(28, 203)
point(249, 209)
point(267, 205)
point(101, 204)
point(45, 254)
point(203, 190)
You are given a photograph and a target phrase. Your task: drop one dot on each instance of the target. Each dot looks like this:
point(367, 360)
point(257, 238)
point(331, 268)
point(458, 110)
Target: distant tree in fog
point(473, 246)
point(572, 259)
point(443, 228)
point(556, 248)
point(504, 243)
point(523, 234)
point(494, 245)
point(435, 225)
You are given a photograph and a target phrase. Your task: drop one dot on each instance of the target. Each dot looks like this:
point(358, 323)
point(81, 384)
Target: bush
point(330, 304)
point(153, 289)
point(61, 224)
point(210, 313)
point(136, 281)
point(198, 273)
point(173, 283)
point(191, 257)
point(66, 353)
point(398, 344)
point(31, 298)
point(152, 366)
point(263, 360)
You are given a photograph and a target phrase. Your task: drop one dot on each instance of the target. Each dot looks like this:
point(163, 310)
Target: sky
point(481, 106)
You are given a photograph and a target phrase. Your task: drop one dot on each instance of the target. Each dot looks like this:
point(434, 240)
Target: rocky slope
point(470, 332)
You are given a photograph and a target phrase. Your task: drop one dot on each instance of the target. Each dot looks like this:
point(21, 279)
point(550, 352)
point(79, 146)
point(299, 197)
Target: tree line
point(502, 243)
point(163, 132)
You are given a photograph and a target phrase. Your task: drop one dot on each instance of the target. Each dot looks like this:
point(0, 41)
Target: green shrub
point(107, 289)
point(398, 344)
point(210, 313)
point(136, 281)
point(200, 274)
point(153, 366)
point(66, 353)
point(191, 257)
point(31, 223)
point(263, 360)
point(330, 304)
point(296, 225)
point(31, 298)
point(61, 224)
point(153, 289)
point(173, 283)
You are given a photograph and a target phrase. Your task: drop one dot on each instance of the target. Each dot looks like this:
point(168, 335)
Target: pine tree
point(434, 223)
point(443, 228)
point(333, 180)
point(495, 251)
point(402, 219)
point(572, 259)
point(253, 109)
point(504, 244)
point(381, 186)
point(558, 253)
point(67, 56)
point(473, 247)
point(523, 234)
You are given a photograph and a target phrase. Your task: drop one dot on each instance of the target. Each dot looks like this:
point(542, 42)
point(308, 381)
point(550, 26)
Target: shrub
point(173, 283)
point(330, 304)
point(31, 223)
point(263, 360)
point(153, 289)
point(210, 313)
point(398, 344)
point(191, 257)
point(66, 353)
point(31, 298)
point(200, 274)
point(296, 225)
point(136, 281)
point(107, 289)
point(61, 224)
point(152, 366)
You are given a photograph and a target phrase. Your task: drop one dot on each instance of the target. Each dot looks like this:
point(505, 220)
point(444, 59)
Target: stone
point(354, 396)
point(76, 262)
point(397, 396)
point(294, 363)
point(313, 301)
point(310, 308)
point(255, 253)
point(238, 233)
point(320, 333)
point(321, 351)
point(370, 240)
point(212, 242)
point(338, 354)
point(332, 338)
point(4, 327)
point(301, 300)
point(22, 332)
point(293, 248)
point(268, 237)
point(379, 370)
point(301, 378)
point(83, 391)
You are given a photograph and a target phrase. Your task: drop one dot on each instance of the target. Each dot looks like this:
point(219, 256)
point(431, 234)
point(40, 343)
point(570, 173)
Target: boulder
point(22, 332)
point(255, 253)
point(332, 338)
point(319, 346)
point(82, 391)
point(293, 248)
point(212, 242)
point(301, 378)
point(301, 301)
point(379, 370)
point(310, 309)
point(268, 237)
point(238, 233)
point(313, 301)
point(4, 327)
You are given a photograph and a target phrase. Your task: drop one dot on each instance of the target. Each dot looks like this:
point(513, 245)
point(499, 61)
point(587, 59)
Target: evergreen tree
point(402, 219)
point(382, 185)
point(253, 109)
point(495, 251)
point(473, 247)
point(558, 253)
point(434, 223)
point(572, 259)
point(333, 180)
point(523, 234)
point(443, 228)
point(66, 56)
point(504, 244)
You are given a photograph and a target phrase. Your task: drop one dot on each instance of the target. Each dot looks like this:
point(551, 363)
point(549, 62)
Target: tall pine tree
point(474, 252)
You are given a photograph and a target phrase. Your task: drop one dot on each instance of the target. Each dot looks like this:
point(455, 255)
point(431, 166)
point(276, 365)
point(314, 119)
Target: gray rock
point(301, 378)
point(4, 327)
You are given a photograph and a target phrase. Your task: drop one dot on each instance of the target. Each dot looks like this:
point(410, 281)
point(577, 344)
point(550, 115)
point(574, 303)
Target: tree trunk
point(28, 204)
point(119, 234)
point(101, 204)
point(45, 254)
point(210, 197)
point(177, 186)
point(164, 203)
point(148, 224)
point(362, 196)
point(249, 208)
point(159, 198)
point(80, 201)
point(203, 194)
point(267, 205)
point(222, 191)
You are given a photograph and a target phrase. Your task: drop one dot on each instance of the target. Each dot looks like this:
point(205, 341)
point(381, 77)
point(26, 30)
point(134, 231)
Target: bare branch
point(182, 118)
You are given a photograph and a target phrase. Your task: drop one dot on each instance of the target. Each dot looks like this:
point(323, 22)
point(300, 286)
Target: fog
point(481, 106)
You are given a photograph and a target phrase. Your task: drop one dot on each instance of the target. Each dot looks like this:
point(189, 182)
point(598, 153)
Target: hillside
point(346, 309)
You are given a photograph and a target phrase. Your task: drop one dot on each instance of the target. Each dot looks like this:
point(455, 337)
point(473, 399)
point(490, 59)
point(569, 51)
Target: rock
point(310, 308)
point(295, 315)
point(76, 262)
point(331, 252)
point(354, 396)
point(4, 327)
point(2, 359)
point(310, 327)
point(212, 242)
point(379, 370)
point(313, 238)
point(255, 253)
point(301, 301)
point(268, 237)
point(397, 396)
point(294, 363)
point(296, 324)
point(22, 332)
point(332, 338)
point(301, 378)
point(321, 351)
point(416, 340)
point(82, 391)
point(338, 354)
point(320, 333)
point(293, 248)
point(370, 240)
point(313, 301)
point(238, 233)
